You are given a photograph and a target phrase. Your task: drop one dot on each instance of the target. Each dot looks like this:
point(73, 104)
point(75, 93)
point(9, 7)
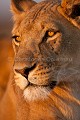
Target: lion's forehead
point(40, 14)
point(40, 24)
point(42, 11)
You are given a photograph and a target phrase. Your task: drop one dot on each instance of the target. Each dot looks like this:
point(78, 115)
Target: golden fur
point(45, 81)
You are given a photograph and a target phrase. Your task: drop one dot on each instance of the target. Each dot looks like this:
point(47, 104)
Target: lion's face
point(44, 45)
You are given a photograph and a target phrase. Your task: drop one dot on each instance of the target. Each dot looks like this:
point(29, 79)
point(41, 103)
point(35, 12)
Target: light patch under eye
point(51, 33)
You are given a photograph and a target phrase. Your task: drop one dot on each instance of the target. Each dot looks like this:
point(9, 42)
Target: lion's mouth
point(50, 85)
point(25, 72)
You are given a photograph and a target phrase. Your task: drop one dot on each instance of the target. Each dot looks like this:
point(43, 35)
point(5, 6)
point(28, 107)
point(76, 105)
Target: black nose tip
point(25, 71)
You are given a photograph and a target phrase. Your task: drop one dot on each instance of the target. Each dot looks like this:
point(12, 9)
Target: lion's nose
point(25, 71)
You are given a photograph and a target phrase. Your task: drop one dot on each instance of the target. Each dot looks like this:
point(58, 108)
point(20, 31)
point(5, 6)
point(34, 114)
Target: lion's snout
point(39, 74)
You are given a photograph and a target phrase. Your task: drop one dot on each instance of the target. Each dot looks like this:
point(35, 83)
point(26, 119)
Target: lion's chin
point(34, 93)
point(31, 92)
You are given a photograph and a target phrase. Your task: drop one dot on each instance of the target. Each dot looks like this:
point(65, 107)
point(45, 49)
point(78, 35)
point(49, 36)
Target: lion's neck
point(66, 98)
point(60, 104)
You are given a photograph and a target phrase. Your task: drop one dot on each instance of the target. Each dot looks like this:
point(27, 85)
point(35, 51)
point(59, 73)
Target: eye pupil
point(50, 33)
point(16, 38)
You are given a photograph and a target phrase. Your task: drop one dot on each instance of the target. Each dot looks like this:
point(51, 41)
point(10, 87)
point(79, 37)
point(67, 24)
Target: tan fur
point(57, 58)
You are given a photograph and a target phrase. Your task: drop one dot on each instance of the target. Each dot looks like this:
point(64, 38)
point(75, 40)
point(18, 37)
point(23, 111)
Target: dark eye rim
point(14, 37)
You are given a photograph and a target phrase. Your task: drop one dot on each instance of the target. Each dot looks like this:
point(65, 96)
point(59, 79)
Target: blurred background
point(5, 16)
point(6, 50)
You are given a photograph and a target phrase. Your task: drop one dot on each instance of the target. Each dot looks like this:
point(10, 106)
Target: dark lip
point(50, 85)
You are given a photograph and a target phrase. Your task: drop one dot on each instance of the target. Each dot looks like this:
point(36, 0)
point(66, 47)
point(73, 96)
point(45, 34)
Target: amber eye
point(16, 40)
point(51, 33)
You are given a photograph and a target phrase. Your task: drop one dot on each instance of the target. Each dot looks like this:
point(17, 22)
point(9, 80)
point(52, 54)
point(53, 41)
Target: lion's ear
point(71, 8)
point(19, 6)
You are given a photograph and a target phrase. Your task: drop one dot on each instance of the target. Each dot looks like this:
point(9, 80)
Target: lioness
point(45, 82)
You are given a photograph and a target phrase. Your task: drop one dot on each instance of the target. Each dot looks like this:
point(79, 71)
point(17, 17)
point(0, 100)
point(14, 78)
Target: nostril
point(25, 71)
point(22, 72)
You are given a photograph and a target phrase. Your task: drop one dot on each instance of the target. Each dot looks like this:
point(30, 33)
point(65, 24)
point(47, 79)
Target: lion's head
point(46, 40)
